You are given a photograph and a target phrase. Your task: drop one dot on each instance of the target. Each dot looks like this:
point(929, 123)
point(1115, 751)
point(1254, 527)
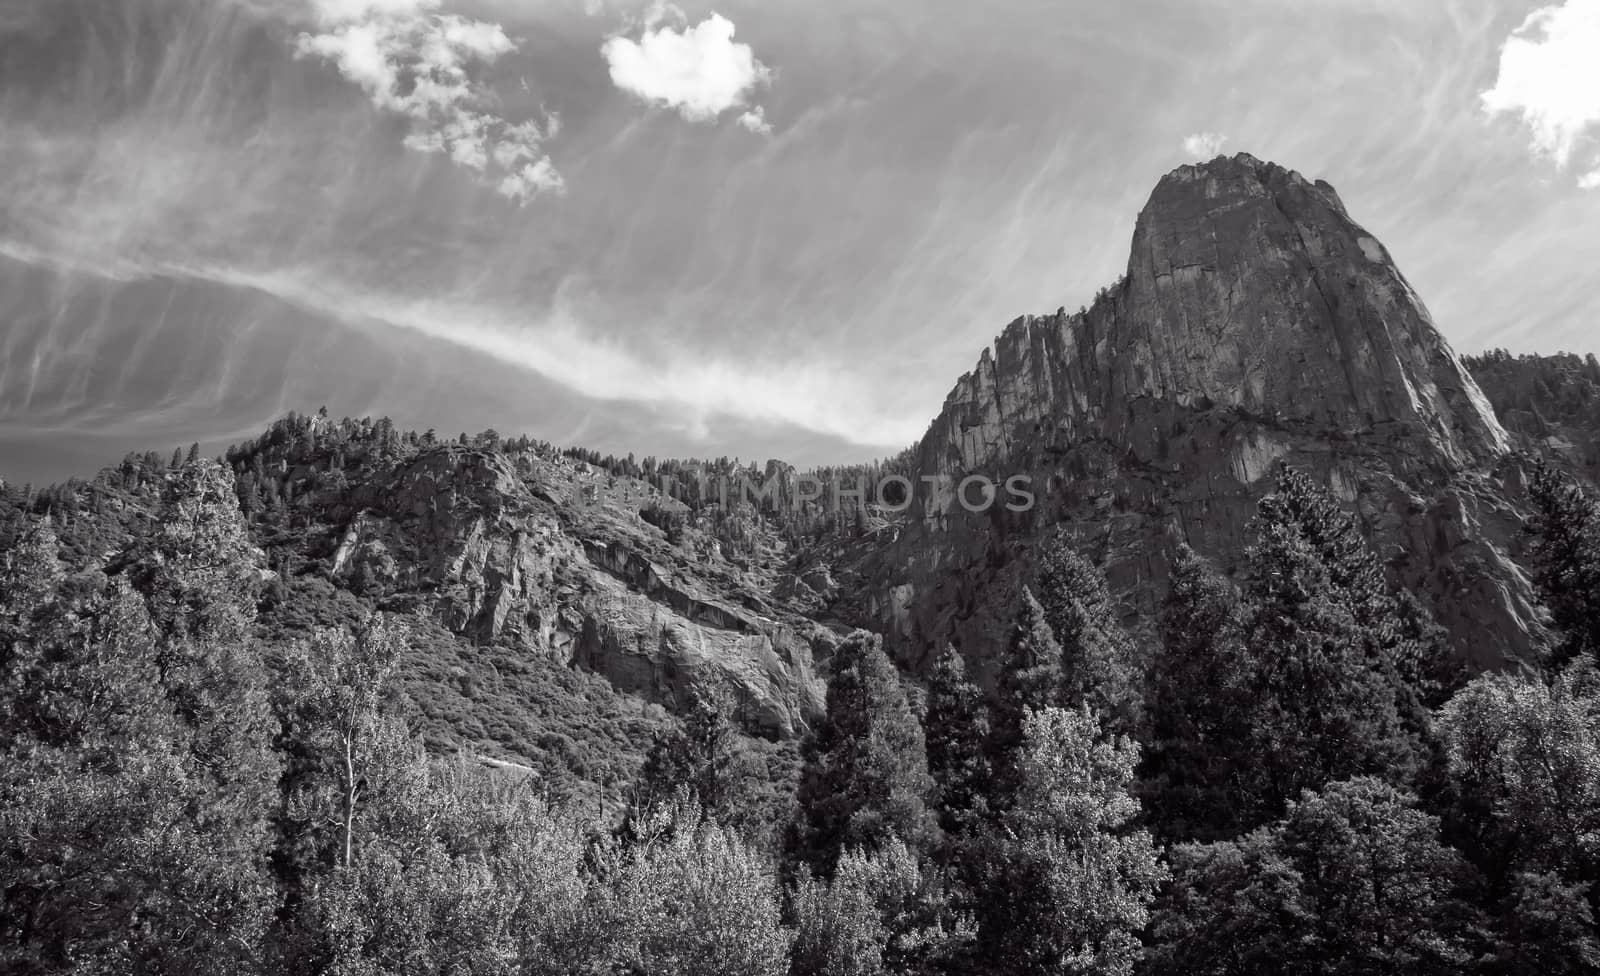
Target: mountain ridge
point(1257, 322)
point(1151, 418)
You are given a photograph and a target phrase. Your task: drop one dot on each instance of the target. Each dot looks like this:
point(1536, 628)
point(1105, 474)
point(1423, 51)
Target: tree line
point(1296, 780)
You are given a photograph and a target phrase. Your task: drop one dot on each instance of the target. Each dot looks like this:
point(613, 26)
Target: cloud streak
point(697, 389)
point(418, 63)
point(1550, 77)
point(698, 71)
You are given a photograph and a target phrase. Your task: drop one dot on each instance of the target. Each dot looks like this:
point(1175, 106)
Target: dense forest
point(213, 764)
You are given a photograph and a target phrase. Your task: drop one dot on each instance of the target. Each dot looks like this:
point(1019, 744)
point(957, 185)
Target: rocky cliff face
point(1257, 322)
point(1250, 289)
point(545, 554)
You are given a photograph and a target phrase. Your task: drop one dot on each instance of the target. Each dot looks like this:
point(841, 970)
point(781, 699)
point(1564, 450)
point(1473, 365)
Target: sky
point(746, 229)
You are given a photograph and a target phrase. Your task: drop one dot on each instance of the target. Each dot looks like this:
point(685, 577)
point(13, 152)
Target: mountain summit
point(1250, 287)
point(1257, 323)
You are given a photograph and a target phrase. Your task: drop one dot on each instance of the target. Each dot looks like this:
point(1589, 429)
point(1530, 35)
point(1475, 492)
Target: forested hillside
point(216, 760)
point(1551, 402)
point(1288, 664)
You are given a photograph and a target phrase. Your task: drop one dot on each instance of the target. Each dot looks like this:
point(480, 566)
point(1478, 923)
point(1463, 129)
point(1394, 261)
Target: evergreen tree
point(1320, 712)
point(1398, 636)
point(197, 569)
point(1198, 713)
point(1566, 561)
point(956, 727)
point(865, 774)
point(199, 574)
point(135, 783)
point(30, 576)
point(1030, 680)
point(1318, 672)
point(1327, 702)
point(30, 580)
point(1099, 663)
point(84, 675)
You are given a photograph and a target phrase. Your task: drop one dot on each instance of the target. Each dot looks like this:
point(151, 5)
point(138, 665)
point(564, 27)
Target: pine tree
point(1099, 663)
point(956, 727)
point(198, 568)
point(1198, 714)
point(865, 774)
point(84, 674)
point(1030, 680)
point(1566, 560)
point(30, 578)
point(1398, 636)
point(199, 574)
point(1317, 635)
point(137, 776)
point(1320, 712)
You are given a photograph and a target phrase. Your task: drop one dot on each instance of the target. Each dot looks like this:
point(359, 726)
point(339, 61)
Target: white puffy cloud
point(1204, 145)
point(1550, 78)
point(417, 62)
point(755, 120)
point(699, 70)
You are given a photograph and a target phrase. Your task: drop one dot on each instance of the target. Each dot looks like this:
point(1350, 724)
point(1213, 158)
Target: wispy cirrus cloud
point(419, 63)
point(699, 71)
point(1550, 77)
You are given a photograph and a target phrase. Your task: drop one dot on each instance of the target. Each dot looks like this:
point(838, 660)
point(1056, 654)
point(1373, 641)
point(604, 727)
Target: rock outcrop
point(1257, 322)
point(547, 556)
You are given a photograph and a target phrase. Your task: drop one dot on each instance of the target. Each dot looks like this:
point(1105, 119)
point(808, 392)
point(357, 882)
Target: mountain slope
point(1257, 323)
